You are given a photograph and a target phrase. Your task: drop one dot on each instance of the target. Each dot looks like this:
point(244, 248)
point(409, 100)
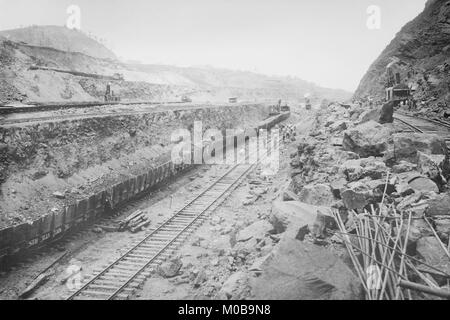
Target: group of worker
point(109, 94)
point(287, 132)
point(410, 103)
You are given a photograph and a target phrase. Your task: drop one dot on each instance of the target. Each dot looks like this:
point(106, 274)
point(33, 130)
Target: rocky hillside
point(59, 38)
point(422, 49)
point(35, 62)
point(362, 169)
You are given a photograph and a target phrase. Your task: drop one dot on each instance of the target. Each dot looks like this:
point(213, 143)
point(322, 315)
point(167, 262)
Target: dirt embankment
point(81, 156)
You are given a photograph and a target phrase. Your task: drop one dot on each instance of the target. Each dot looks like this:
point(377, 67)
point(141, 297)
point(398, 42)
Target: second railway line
point(424, 125)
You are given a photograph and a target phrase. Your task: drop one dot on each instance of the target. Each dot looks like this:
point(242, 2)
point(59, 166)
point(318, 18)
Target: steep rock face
point(422, 52)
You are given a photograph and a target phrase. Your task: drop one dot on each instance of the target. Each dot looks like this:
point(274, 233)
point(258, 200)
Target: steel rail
point(180, 233)
point(409, 125)
point(216, 199)
point(150, 235)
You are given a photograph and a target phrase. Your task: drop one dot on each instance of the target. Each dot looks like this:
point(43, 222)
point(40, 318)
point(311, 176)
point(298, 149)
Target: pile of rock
point(374, 164)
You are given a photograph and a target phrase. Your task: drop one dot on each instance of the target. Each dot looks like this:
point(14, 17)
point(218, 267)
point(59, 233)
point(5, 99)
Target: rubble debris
point(317, 194)
point(337, 186)
point(170, 268)
point(432, 166)
point(443, 228)
point(423, 184)
point(323, 222)
point(256, 230)
point(292, 214)
point(439, 206)
point(233, 287)
point(200, 278)
point(302, 271)
point(288, 195)
point(59, 195)
point(408, 145)
point(358, 169)
point(372, 114)
point(357, 196)
point(433, 254)
point(389, 185)
point(367, 139)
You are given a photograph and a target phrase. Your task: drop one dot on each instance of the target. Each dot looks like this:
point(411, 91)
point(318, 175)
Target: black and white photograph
point(240, 153)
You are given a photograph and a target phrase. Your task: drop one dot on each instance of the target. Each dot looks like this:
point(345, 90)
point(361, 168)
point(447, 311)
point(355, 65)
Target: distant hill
point(60, 38)
point(422, 49)
point(210, 78)
point(40, 64)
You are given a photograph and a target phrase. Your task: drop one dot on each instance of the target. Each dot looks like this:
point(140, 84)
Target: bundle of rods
point(377, 241)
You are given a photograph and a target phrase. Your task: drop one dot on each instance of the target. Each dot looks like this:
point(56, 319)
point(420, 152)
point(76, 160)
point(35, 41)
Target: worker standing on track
point(108, 92)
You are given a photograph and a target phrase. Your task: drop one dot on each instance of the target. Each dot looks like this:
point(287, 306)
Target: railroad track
point(120, 279)
point(424, 125)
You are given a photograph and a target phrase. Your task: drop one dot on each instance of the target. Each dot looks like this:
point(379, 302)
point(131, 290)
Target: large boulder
point(408, 201)
point(293, 214)
point(317, 195)
point(439, 206)
point(415, 181)
point(170, 268)
point(387, 113)
point(408, 145)
point(432, 165)
point(233, 287)
point(362, 168)
point(423, 184)
point(367, 139)
point(433, 254)
point(339, 126)
point(370, 115)
point(337, 186)
point(443, 228)
point(302, 271)
point(256, 231)
point(357, 195)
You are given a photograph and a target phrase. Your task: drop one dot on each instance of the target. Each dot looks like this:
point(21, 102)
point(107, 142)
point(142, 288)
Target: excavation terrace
point(55, 163)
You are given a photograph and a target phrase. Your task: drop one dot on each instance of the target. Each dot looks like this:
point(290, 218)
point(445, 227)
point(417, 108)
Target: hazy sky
point(324, 41)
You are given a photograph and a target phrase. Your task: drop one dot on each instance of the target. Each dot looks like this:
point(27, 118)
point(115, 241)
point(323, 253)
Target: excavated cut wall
point(58, 175)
